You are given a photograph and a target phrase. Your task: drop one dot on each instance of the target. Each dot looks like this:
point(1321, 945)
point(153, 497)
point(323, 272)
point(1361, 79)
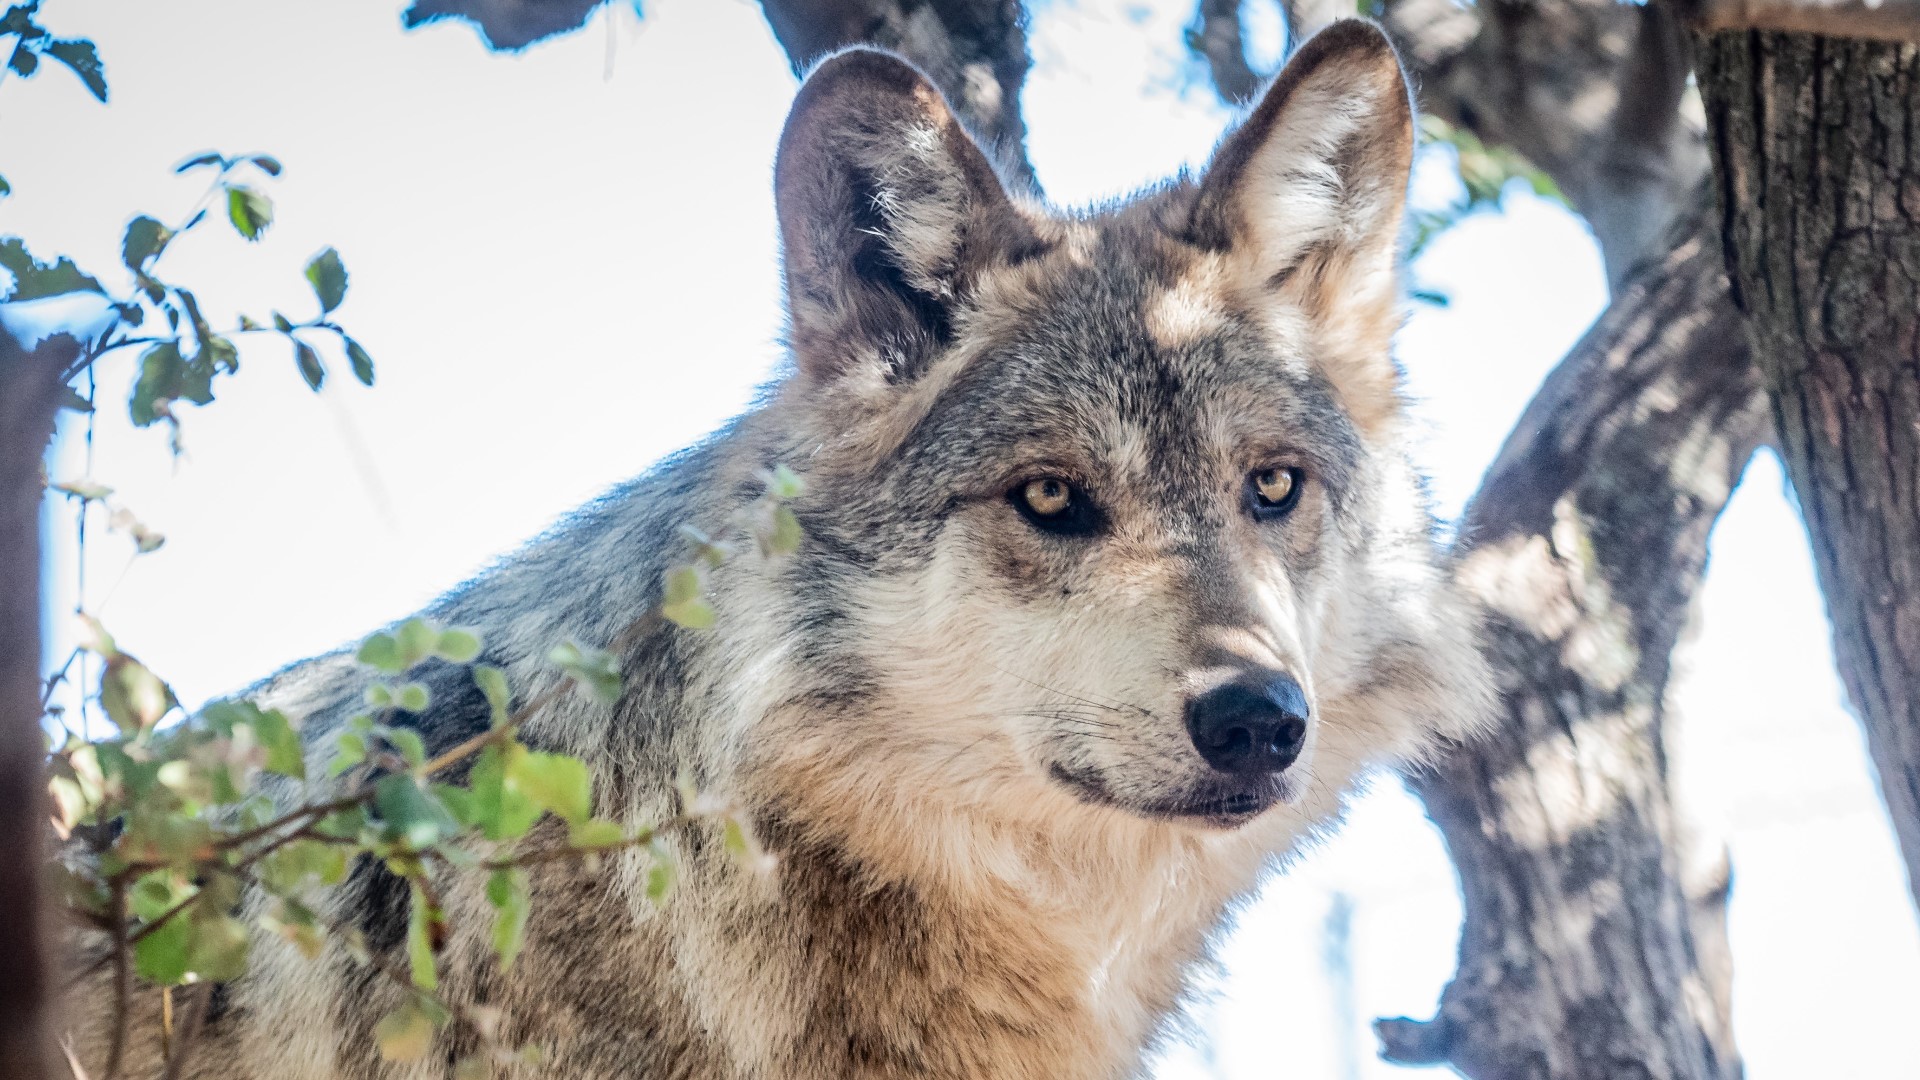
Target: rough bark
point(1590, 91)
point(975, 51)
point(1578, 957)
point(29, 385)
point(1880, 20)
point(1817, 152)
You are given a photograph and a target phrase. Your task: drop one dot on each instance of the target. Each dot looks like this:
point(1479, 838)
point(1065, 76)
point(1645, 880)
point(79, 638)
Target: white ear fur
point(1305, 199)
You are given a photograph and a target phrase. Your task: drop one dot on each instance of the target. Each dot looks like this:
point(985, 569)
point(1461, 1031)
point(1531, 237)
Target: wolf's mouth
point(1223, 808)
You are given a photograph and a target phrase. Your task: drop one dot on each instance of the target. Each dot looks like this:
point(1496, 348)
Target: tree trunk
point(29, 385)
point(1578, 958)
point(1817, 149)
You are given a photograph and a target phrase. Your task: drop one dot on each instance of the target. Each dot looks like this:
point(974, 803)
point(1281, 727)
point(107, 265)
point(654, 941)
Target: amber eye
point(1276, 490)
point(1052, 505)
point(1049, 496)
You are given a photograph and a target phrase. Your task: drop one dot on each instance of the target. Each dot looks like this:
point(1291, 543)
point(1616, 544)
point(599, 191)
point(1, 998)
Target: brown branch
point(974, 51)
point(1214, 35)
point(1882, 20)
point(1585, 546)
point(1584, 89)
point(29, 388)
point(1816, 169)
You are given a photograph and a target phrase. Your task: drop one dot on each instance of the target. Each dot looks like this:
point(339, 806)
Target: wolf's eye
point(1276, 490)
point(1050, 504)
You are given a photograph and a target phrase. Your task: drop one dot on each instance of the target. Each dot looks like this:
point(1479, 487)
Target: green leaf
point(85, 62)
point(382, 653)
point(413, 697)
point(199, 161)
point(329, 279)
point(271, 729)
point(161, 956)
point(282, 323)
point(682, 601)
point(411, 814)
point(250, 210)
point(83, 489)
point(308, 361)
point(457, 646)
point(783, 535)
point(362, 363)
point(507, 892)
point(349, 749)
point(734, 839)
point(784, 484)
point(661, 872)
point(404, 1034)
point(412, 748)
point(161, 372)
point(6, 189)
point(554, 781)
point(33, 279)
point(596, 833)
point(421, 934)
point(23, 60)
point(217, 948)
point(267, 162)
point(133, 696)
point(595, 669)
point(501, 811)
point(493, 683)
point(416, 639)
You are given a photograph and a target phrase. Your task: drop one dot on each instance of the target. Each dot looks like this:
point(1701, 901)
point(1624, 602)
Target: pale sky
point(564, 265)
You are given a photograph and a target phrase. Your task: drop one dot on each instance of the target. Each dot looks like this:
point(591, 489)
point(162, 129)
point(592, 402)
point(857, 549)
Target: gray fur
point(961, 737)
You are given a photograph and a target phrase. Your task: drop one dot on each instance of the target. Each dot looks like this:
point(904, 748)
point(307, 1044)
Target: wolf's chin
point(1221, 805)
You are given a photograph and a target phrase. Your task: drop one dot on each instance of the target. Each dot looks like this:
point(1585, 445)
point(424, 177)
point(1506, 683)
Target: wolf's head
point(1109, 510)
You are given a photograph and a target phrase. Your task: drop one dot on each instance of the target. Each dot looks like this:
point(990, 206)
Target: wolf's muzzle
point(1251, 726)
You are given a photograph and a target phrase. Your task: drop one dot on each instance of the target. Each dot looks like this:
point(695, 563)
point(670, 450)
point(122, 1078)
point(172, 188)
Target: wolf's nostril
point(1250, 730)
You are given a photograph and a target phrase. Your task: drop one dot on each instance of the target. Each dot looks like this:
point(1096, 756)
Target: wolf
point(1115, 576)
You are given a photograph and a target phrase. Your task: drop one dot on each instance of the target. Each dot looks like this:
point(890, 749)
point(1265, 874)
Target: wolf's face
point(1110, 509)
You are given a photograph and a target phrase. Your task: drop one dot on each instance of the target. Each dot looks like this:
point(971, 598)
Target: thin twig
point(122, 981)
point(189, 1030)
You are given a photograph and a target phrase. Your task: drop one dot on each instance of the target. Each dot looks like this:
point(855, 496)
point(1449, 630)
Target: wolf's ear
point(1306, 198)
point(888, 213)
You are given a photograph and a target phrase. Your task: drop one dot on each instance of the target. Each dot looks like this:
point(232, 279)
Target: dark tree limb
point(975, 51)
point(1580, 956)
point(507, 25)
point(29, 393)
point(1817, 152)
point(1874, 20)
point(1215, 36)
point(1587, 90)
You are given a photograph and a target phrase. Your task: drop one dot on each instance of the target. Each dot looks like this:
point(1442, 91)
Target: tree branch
point(1590, 91)
point(1879, 20)
point(975, 51)
point(29, 386)
point(1580, 954)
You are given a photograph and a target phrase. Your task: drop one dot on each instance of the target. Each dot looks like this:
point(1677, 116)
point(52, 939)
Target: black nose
point(1247, 729)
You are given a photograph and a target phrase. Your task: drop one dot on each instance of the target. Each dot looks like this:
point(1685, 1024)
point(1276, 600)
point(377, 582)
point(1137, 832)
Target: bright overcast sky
point(564, 264)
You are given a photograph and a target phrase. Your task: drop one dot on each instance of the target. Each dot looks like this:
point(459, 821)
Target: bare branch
point(29, 387)
point(974, 51)
point(1215, 36)
point(1873, 20)
point(1588, 90)
point(1581, 946)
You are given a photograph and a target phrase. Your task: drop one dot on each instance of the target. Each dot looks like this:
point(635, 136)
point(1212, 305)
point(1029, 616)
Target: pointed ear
point(1305, 198)
point(888, 214)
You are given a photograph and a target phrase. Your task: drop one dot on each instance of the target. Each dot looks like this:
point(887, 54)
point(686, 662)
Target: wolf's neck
point(989, 984)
